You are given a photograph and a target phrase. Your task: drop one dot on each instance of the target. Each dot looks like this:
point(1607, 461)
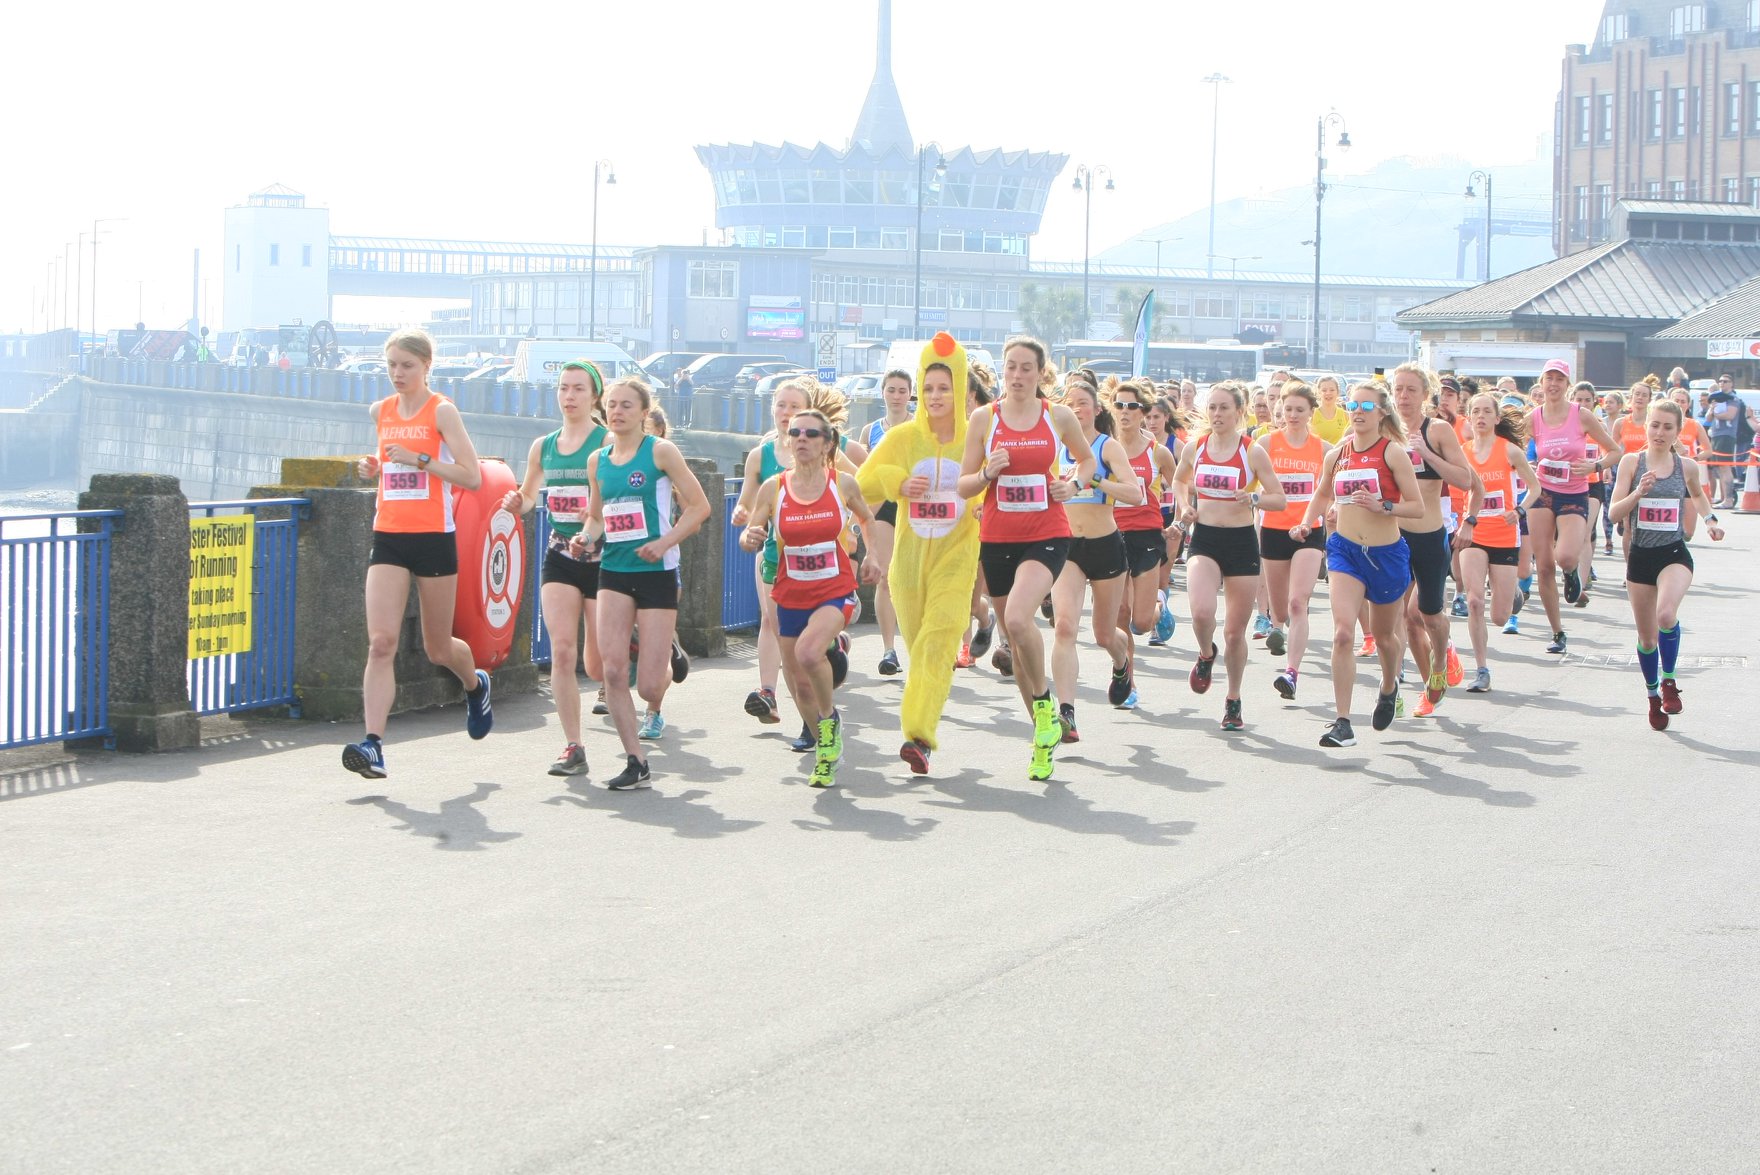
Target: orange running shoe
point(1368, 649)
point(1452, 663)
point(964, 660)
point(1425, 707)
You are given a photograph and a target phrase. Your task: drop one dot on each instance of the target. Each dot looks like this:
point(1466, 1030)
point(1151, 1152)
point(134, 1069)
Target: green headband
point(586, 365)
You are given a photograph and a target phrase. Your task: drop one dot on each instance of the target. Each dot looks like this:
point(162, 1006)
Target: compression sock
point(1526, 583)
point(1647, 666)
point(1669, 642)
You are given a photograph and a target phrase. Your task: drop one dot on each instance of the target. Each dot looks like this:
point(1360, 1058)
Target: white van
point(905, 355)
point(540, 361)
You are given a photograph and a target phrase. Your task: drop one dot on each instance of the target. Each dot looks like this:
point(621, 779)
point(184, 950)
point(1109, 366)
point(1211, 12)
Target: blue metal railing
point(55, 626)
point(231, 683)
point(739, 585)
point(540, 634)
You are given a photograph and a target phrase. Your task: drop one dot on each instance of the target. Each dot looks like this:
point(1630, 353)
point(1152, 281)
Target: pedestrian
point(682, 390)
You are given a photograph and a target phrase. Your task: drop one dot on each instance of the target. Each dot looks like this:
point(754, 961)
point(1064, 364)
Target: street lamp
point(917, 290)
point(1160, 241)
point(95, 224)
point(1331, 118)
point(1215, 81)
point(602, 165)
point(1085, 179)
point(1485, 252)
point(1233, 267)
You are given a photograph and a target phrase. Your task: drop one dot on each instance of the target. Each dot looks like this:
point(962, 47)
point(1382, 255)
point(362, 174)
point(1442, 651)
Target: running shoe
point(1557, 645)
point(1040, 768)
point(1459, 607)
point(1671, 696)
point(1231, 714)
point(681, 663)
point(761, 704)
point(1047, 730)
point(653, 725)
point(1274, 643)
point(1573, 586)
point(829, 745)
point(1451, 666)
point(365, 758)
point(1003, 661)
point(1425, 707)
point(1399, 705)
point(1155, 642)
point(1200, 679)
point(1607, 547)
point(889, 666)
point(1285, 684)
point(1368, 648)
point(981, 639)
point(1511, 627)
point(965, 660)
point(1481, 681)
point(1121, 685)
point(824, 773)
point(1130, 703)
point(572, 761)
point(1339, 734)
point(599, 704)
point(843, 641)
point(1045, 609)
point(1521, 601)
point(1261, 626)
point(633, 775)
point(916, 753)
point(1658, 716)
point(1435, 688)
point(478, 718)
point(838, 657)
point(1384, 707)
point(1066, 718)
point(805, 741)
point(1164, 623)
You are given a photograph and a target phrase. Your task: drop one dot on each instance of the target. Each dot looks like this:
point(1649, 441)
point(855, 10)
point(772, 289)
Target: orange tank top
point(1298, 471)
point(412, 500)
point(1500, 497)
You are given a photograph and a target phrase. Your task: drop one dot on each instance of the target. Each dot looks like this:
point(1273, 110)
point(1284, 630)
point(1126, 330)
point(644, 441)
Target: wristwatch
point(1471, 520)
point(1386, 506)
point(423, 459)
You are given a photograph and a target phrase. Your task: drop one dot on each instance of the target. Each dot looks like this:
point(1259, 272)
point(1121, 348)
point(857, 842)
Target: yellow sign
point(221, 551)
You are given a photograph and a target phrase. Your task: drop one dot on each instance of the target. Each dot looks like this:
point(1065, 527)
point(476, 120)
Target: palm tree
point(1051, 313)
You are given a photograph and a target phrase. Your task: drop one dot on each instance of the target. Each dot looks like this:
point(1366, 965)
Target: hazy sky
point(483, 120)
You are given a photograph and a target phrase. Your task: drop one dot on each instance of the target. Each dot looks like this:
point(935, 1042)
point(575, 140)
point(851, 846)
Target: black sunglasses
point(812, 434)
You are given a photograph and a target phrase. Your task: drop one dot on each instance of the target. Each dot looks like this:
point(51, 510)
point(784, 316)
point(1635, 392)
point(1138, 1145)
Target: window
point(305, 256)
point(794, 236)
point(934, 295)
point(1754, 16)
point(1613, 28)
point(1653, 190)
point(1583, 128)
point(824, 288)
point(1697, 105)
point(873, 292)
point(894, 238)
point(1655, 114)
point(1209, 307)
point(1754, 108)
point(1604, 126)
point(1754, 190)
point(237, 258)
point(1603, 211)
point(274, 254)
point(712, 279)
point(1677, 107)
point(1349, 347)
point(1732, 106)
point(569, 295)
point(1677, 190)
point(1684, 19)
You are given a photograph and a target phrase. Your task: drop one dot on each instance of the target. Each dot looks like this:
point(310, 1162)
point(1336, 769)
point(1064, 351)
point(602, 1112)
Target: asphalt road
point(1523, 935)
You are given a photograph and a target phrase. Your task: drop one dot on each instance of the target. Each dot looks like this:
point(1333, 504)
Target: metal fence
point(55, 626)
point(263, 675)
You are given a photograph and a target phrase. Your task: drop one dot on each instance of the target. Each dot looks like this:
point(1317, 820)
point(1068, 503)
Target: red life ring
point(491, 566)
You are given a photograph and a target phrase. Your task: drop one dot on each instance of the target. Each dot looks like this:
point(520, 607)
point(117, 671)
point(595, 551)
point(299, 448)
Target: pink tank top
point(1556, 448)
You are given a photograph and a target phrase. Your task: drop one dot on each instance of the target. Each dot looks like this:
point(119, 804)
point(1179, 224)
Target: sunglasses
point(812, 434)
point(1360, 405)
point(1127, 405)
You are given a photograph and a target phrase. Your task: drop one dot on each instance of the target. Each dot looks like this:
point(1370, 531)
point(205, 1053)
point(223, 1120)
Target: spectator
point(1727, 418)
point(1677, 378)
point(682, 389)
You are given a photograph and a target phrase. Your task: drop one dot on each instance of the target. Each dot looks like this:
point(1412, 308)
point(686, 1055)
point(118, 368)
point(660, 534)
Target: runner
point(1631, 431)
point(422, 451)
point(1222, 467)
point(1331, 421)
point(1291, 568)
point(634, 483)
point(1097, 558)
point(1370, 478)
point(1489, 550)
point(815, 588)
point(1010, 458)
point(896, 391)
point(1651, 493)
point(1583, 396)
point(1144, 610)
point(1437, 460)
point(1161, 418)
point(569, 583)
point(1558, 516)
point(975, 642)
point(936, 555)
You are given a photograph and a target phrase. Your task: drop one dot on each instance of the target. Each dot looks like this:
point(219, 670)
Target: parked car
point(717, 371)
point(451, 369)
point(748, 376)
point(490, 372)
point(365, 365)
point(768, 385)
point(862, 386)
point(661, 364)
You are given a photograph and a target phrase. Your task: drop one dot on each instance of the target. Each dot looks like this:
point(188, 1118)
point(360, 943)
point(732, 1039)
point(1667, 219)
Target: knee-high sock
point(1647, 666)
point(1669, 642)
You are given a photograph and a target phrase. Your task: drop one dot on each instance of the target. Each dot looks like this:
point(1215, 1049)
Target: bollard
point(1750, 503)
point(700, 563)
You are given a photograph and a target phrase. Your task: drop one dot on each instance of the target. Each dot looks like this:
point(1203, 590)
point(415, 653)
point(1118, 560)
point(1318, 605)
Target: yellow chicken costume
point(935, 551)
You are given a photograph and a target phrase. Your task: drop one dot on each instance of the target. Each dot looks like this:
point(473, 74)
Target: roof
point(882, 124)
point(1674, 208)
point(498, 248)
point(1658, 281)
point(1106, 270)
point(1736, 315)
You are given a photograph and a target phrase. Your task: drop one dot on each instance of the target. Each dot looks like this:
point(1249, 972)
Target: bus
point(1204, 363)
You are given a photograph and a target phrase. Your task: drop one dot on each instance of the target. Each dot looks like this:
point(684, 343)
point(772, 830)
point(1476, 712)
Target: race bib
point(402, 483)
point(566, 503)
point(1297, 487)
point(812, 562)
point(1659, 514)
point(1591, 451)
point(1519, 486)
point(1353, 481)
point(625, 521)
point(933, 515)
point(1018, 493)
point(1218, 481)
point(1554, 472)
point(1494, 502)
point(1168, 501)
point(1417, 460)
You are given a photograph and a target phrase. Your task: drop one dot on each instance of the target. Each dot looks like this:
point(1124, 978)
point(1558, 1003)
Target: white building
point(276, 261)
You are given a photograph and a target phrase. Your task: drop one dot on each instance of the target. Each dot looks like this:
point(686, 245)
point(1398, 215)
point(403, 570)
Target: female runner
point(1489, 550)
point(1331, 420)
point(423, 450)
point(1558, 516)
point(1370, 478)
point(1221, 466)
point(1142, 525)
point(1291, 568)
point(895, 391)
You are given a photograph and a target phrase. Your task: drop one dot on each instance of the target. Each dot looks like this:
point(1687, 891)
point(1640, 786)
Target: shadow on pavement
point(682, 813)
point(457, 827)
point(837, 811)
point(1057, 807)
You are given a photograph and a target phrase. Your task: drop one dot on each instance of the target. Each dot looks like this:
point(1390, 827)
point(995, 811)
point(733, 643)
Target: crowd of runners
point(992, 510)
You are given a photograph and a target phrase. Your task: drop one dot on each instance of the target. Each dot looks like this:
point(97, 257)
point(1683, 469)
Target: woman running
point(976, 641)
point(1221, 466)
point(1162, 419)
point(813, 506)
point(896, 391)
point(1631, 433)
point(635, 482)
point(422, 451)
point(1331, 420)
point(569, 583)
point(1153, 465)
point(1558, 516)
point(1651, 495)
point(1490, 542)
point(1583, 396)
point(1011, 459)
point(1370, 479)
point(1097, 557)
point(1291, 568)
point(916, 466)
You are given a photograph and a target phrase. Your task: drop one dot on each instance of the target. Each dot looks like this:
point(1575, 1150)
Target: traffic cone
point(1751, 488)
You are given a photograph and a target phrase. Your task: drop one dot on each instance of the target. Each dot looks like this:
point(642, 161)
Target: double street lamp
point(602, 166)
point(940, 172)
point(1215, 81)
point(1331, 118)
point(1485, 249)
point(1086, 178)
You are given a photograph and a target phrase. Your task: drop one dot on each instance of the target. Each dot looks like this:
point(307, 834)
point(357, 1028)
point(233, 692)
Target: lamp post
point(1160, 241)
point(1233, 268)
point(599, 166)
point(66, 268)
point(95, 224)
point(1215, 81)
point(1485, 251)
point(1331, 118)
point(1085, 179)
point(917, 290)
